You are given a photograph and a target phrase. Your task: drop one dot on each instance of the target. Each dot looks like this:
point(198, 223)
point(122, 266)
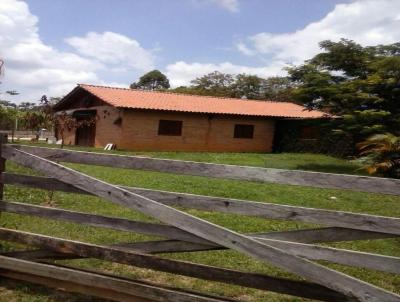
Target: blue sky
point(50, 45)
point(182, 29)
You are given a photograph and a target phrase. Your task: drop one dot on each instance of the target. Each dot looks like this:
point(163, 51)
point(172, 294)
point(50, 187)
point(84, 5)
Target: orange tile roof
point(139, 99)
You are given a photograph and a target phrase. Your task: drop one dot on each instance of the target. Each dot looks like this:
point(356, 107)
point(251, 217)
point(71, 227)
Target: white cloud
point(181, 73)
point(34, 68)
point(368, 22)
point(113, 48)
point(229, 5)
point(242, 47)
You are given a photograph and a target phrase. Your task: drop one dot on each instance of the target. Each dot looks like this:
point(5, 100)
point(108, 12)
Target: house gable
point(79, 98)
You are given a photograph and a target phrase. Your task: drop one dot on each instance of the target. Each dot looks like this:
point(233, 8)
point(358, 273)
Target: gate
point(292, 251)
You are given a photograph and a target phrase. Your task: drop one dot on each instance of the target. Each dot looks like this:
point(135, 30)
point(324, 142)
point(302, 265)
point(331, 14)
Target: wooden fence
point(292, 251)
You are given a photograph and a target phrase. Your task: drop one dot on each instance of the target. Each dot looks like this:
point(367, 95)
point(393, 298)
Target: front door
point(85, 134)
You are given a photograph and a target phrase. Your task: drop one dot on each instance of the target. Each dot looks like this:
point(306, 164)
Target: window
point(243, 131)
point(173, 128)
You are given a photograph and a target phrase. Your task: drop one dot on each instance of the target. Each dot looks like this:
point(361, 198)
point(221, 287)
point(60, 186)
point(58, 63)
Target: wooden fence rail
point(365, 222)
point(291, 177)
point(194, 243)
point(133, 291)
point(293, 251)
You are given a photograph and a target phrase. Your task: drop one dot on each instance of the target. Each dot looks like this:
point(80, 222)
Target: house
point(164, 121)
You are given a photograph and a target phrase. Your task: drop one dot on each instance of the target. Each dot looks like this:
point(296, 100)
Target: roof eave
point(223, 113)
point(65, 98)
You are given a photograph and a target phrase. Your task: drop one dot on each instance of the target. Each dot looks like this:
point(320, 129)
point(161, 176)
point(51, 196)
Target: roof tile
point(140, 99)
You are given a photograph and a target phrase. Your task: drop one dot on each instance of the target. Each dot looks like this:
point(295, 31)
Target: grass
point(293, 161)
point(294, 195)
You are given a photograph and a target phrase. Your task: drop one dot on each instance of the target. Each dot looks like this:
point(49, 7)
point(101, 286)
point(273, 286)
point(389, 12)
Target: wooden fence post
point(3, 140)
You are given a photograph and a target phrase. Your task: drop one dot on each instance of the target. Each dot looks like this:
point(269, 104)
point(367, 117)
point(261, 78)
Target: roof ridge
point(187, 94)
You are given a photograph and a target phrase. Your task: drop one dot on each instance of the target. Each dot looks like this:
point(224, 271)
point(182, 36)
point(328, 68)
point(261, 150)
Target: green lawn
point(293, 195)
point(294, 161)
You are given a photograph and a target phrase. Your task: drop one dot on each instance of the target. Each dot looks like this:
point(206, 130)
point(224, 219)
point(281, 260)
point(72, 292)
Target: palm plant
point(382, 154)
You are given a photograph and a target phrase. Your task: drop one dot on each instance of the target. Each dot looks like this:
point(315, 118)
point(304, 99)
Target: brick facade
point(200, 132)
point(108, 127)
point(138, 130)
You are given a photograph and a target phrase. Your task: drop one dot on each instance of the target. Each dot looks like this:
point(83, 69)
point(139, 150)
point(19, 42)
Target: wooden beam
point(206, 230)
point(39, 182)
point(146, 228)
point(252, 280)
point(139, 291)
point(372, 261)
point(312, 252)
point(165, 246)
point(38, 254)
point(171, 232)
point(377, 262)
point(373, 223)
point(70, 287)
point(291, 177)
point(340, 256)
point(323, 235)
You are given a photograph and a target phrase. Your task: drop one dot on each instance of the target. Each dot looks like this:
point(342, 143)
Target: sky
point(49, 46)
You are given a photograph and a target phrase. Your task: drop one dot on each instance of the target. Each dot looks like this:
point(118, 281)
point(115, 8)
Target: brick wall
point(199, 133)
point(107, 130)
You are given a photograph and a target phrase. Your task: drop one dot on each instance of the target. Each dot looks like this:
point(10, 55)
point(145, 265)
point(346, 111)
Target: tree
point(247, 86)
point(382, 153)
point(7, 117)
point(153, 80)
point(244, 86)
point(277, 89)
point(38, 117)
point(361, 84)
point(214, 84)
point(43, 116)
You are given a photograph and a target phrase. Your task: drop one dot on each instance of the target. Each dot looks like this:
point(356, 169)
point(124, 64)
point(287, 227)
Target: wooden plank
point(171, 232)
point(165, 246)
point(252, 280)
point(291, 177)
point(323, 235)
point(350, 220)
point(206, 230)
point(95, 280)
point(39, 182)
point(372, 223)
point(372, 261)
point(73, 288)
point(38, 254)
point(312, 252)
point(377, 262)
point(340, 256)
point(114, 223)
point(115, 294)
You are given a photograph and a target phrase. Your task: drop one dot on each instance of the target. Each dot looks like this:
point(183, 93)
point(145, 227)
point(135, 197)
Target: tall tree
point(362, 84)
point(153, 80)
point(277, 89)
point(215, 84)
point(247, 86)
